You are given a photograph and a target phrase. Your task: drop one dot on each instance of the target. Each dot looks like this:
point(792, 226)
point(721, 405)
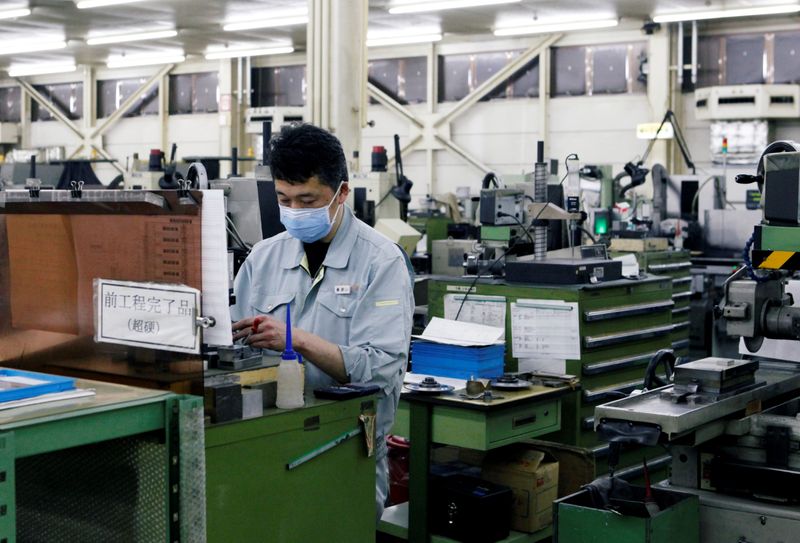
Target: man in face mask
point(349, 287)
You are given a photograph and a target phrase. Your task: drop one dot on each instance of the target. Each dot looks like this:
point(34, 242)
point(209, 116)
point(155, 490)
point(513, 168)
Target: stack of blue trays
point(456, 361)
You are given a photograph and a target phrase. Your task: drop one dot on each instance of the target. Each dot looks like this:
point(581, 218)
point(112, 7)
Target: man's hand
point(271, 334)
point(262, 332)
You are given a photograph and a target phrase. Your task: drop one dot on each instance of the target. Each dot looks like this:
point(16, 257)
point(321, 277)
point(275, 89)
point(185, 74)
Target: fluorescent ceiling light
point(725, 13)
point(546, 28)
point(21, 70)
point(134, 36)
point(282, 18)
point(441, 5)
point(127, 61)
point(381, 41)
point(236, 53)
point(13, 13)
point(88, 4)
point(29, 46)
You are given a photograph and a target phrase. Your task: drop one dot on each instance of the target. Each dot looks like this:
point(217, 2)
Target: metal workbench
point(450, 420)
point(252, 496)
point(122, 465)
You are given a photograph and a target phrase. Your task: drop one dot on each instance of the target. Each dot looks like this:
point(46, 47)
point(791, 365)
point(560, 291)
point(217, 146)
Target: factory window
point(67, 97)
point(598, 69)
point(710, 61)
point(113, 92)
point(568, 76)
point(403, 79)
point(10, 104)
point(744, 60)
point(279, 86)
point(459, 75)
point(194, 93)
point(787, 57)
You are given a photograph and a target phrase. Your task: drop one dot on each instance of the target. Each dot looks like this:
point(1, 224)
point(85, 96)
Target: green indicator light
point(600, 224)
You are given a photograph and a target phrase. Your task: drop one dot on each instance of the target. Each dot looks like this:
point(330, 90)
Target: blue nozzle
point(288, 352)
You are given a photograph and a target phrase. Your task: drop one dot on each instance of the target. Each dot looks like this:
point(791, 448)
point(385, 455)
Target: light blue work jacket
point(361, 299)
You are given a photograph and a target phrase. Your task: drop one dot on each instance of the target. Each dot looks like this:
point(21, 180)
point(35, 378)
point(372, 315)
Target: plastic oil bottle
point(290, 373)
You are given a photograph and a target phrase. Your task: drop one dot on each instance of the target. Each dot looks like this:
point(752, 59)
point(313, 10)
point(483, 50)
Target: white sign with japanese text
point(151, 315)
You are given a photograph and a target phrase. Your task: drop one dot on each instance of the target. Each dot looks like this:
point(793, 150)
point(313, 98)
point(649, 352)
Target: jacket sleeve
point(381, 328)
point(241, 289)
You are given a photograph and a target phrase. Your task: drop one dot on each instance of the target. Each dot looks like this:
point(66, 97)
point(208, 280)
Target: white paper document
point(488, 310)
point(214, 268)
point(542, 364)
point(545, 327)
point(630, 266)
point(463, 334)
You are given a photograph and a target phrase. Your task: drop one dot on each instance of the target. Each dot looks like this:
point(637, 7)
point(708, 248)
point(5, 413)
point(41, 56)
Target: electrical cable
point(496, 260)
point(478, 275)
point(585, 231)
point(524, 228)
point(748, 263)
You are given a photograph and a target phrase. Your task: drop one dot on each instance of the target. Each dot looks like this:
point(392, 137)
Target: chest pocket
point(273, 305)
point(334, 316)
point(340, 305)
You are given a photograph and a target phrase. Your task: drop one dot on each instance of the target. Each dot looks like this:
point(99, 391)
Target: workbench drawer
point(485, 430)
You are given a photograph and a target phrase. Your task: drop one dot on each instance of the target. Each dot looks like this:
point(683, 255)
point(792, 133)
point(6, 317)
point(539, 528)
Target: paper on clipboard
point(488, 310)
point(545, 327)
point(463, 334)
point(542, 364)
point(214, 266)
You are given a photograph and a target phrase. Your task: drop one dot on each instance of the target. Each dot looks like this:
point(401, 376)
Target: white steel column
point(658, 95)
point(337, 68)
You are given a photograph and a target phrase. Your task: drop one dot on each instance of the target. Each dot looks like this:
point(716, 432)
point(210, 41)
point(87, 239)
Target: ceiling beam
point(394, 105)
point(126, 105)
point(504, 73)
point(49, 106)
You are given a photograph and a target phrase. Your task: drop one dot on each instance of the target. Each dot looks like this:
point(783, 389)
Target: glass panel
point(205, 92)
point(709, 61)
point(180, 94)
point(744, 62)
point(609, 69)
point(568, 71)
point(787, 57)
point(282, 86)
point(10, 104)
point(112, 93)
point(67, 97)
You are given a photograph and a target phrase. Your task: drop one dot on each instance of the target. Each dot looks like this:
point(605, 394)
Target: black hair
point(302, 151)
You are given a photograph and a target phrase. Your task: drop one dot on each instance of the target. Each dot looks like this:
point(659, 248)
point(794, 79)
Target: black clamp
point(77, 189)
point(34, 188)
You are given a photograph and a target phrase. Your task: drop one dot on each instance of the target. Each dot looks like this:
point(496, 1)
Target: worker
point(349, 287)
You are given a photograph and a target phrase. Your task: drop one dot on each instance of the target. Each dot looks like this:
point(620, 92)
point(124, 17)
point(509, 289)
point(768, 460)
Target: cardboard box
point(532, 476)
point(576, 465)
point(639, 245)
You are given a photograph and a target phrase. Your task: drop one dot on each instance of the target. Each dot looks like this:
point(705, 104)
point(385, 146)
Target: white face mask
point(309, 224)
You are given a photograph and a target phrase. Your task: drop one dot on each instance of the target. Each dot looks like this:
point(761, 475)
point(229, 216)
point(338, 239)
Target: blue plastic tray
point(10, 391)
point(459, 373)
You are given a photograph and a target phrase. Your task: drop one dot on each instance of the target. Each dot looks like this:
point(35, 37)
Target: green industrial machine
point(122, 465)
point(253, 495)
point(622, 324)
point(432, 225)
point(675, 264)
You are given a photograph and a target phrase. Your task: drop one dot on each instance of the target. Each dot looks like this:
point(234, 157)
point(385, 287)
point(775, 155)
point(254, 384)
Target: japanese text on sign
point(147, 315)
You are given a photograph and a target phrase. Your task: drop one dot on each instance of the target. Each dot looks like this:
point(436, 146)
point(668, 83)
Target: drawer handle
point(626, 311)
point(524, 421)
